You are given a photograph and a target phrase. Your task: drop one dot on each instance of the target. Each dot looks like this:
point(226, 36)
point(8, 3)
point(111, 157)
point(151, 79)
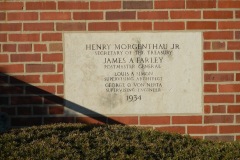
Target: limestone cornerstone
point(134, 73)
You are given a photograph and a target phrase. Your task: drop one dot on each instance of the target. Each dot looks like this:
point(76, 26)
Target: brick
point(237, 34)
point(40, 47)
point(186, 119)
point(206, 45)
point(218, 45)
point(24, 37)
point(219, 138)
point(11, 5)
point(210, 88)
point(22, 16)
point(73, 5)
point(91, 120)
point(24, 110)
point(137, 26)
point(233, 109)
point(103, 26)
point(52, 37)
point(219, 109)
point(237, 55)
point(154, 120)
point(71, 26)
point(41, 5)
point(229, 4)
point(94, 5)
point(40, 110)
point(24, 47)
point(219, 98)
point(172, 129)
point(229, 66)
point(52, 120)
point(218, 119)
point(137, 5)
point(4, 100)
point(166, 4)
point(4, 58)
point(54, 57)
point(237, 13)
point(218, 35)
point(55, 47)
point(207, 109)
point(238, 77)
point(26, 121)
point(44, 89)
point(201, 4)
point(217, 14)
point(233, 45)
point(197, 137)
point(169, 26)
point(25, 57)
point(10, 90)
point(201, 25)
point(185, 14)
point(3, 37)
point(23, 100)
point(21, 79)
point(56, 110)
point(40, 68)
point(2, 16)
point(237, 98)
point(53, 99)
point(38, 90)
point(201, 129)
point(123, 120)
point(59, 67)
point(5, 90)
point(9, 110)
point(54, 78)
point(229, 25)
point(229, 129)
point(218, 56)
point(10, 26)
point(55, 16)
point(153, 15)
point(88, 15)
point(9, 47)
point(60, 89)
point(120, 15)
point(238, 119)
point(38, 26)
point(229, 88)
point(4, 79)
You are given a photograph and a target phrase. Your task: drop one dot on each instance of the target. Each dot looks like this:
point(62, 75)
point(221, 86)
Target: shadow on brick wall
point(28, 105)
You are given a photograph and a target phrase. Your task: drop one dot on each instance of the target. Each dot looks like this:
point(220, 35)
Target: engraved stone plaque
point(134, 73)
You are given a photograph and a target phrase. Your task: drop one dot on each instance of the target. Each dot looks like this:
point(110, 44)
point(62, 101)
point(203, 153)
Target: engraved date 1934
point(133, 98)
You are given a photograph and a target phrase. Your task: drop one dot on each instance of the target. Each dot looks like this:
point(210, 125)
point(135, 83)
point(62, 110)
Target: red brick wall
point(31, 59)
